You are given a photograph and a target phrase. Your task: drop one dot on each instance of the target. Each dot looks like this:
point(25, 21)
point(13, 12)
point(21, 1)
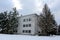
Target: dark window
point(29, 25)
point(23, 25)
point(26, 31)
point(29, 31)
point(24, 20)
point(26, 25)
point(29, 19)
point(23, 31)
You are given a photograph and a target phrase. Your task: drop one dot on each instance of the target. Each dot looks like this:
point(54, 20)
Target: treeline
point(9, 22)
point(46, 22)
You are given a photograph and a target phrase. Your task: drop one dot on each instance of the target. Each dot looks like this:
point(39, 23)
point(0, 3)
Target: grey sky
point(31, 6)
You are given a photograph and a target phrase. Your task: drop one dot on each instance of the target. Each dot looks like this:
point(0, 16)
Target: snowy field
point(26, 37)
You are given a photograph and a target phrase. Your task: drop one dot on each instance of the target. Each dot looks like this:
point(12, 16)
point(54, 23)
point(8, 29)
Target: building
point(28, 24)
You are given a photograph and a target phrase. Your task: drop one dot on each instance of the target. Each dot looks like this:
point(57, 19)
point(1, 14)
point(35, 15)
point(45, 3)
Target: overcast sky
point(31, 6)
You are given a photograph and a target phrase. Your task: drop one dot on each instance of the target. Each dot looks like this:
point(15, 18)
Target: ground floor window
point(26, 31)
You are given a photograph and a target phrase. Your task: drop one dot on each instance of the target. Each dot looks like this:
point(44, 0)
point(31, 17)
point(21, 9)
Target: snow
point(26, 37)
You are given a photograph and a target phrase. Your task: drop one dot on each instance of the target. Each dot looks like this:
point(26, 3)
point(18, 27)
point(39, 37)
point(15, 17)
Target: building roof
point(28, 15)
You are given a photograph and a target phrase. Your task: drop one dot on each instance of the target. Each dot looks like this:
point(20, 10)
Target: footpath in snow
point(26, 37)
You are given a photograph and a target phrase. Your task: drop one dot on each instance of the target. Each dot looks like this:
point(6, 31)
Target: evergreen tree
point(58, 29)
point(46, 21)
point(3, 22)
point(13, 21)
point(9, 22)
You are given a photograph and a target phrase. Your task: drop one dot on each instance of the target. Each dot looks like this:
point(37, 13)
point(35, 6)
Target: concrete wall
point(33, 22)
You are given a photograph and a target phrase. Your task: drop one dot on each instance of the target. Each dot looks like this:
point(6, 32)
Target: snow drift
point(26, 37)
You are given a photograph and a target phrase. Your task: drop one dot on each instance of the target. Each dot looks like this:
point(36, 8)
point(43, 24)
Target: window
point(29, 19)
point(23, 25)
point(26, 31)
point(24, 20)
point(29, 31)
point(26, 25)
point(29, 25)
point(23, 31)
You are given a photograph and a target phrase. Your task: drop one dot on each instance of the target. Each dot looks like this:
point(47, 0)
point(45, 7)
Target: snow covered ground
point(26, 37)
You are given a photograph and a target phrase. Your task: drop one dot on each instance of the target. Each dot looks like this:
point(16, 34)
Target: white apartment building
point(28, 24)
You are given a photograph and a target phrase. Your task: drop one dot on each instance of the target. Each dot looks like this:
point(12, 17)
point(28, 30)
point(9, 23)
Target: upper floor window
point(23, 31)
point(23, 20)
point(26, 20)
point(24, 25)
point(29, 25)
point(29, 19)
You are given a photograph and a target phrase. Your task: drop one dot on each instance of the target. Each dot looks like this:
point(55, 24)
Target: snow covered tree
point(13, 21)
point(58, 29)
point(46, 21)
point(9, 22)
point(3, 22)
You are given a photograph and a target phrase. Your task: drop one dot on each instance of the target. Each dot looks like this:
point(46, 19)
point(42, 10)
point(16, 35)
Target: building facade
point(28, 24)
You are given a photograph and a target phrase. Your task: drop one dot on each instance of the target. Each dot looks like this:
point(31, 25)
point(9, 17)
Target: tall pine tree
point(46, 21)
point(13, 21)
